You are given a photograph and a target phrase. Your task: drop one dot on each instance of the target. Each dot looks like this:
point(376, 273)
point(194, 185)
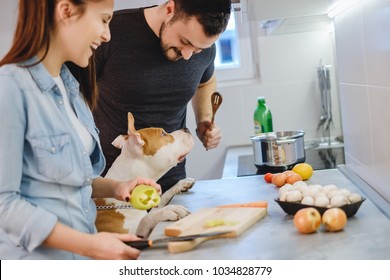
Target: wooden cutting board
point(234, 220)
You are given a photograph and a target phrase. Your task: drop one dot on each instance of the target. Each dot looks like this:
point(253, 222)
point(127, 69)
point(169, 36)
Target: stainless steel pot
point(279, 149)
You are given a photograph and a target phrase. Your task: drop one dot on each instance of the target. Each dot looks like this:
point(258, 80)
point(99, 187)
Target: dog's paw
point(167, 213)
point(181, 186)
point(172, 213)
point(184, 185)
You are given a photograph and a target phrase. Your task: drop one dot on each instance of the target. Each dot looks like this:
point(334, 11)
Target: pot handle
point(287, 141)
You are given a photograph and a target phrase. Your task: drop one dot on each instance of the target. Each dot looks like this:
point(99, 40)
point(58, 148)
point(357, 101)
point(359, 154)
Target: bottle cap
point(261, 98)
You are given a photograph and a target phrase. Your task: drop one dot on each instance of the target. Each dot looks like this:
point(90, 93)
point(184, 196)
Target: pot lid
point(279, 135)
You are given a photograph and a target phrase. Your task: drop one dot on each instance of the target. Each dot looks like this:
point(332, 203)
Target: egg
point(293, 178)
point(279, 179)
point(289, 172)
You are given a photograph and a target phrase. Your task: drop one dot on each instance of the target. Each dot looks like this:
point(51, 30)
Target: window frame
point(248, 68)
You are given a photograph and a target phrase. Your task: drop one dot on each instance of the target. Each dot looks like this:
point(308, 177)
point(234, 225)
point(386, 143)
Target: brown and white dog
point(150, 153)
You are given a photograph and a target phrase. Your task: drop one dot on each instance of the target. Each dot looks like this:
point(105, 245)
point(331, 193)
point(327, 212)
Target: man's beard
point(167, 50)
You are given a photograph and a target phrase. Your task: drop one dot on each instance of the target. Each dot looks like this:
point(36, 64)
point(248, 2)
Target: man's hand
point(209, 134)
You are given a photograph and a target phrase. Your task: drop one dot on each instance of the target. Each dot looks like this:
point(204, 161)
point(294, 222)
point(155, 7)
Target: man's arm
point(209, 134)
point(201, 101)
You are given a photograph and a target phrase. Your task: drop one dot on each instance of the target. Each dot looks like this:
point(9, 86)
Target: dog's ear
point(131, 131)
point(130, 123)
point(119, 141)
point(137, 137)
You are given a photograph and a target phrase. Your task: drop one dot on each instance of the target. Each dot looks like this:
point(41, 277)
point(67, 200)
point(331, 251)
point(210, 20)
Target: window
point(227, 48)
point(235, 60)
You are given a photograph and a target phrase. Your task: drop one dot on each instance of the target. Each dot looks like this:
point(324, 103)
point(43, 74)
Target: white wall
point(8, 14)
point(363, 58)
point(289, 83)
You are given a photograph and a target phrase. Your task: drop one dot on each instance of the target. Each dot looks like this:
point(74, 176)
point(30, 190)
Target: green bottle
point(262, 117)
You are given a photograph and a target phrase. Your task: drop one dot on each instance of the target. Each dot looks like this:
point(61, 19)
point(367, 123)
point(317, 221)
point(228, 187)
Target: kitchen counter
point(275, 237)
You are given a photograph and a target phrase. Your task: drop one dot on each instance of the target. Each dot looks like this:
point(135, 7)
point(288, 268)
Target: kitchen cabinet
point(274, 237)
point(286, 16)
point(264, 9)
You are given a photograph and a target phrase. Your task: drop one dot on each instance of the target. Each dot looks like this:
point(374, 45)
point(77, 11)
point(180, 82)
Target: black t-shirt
point(134, 76)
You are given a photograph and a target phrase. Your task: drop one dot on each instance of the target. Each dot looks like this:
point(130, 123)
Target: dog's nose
point(185, 129)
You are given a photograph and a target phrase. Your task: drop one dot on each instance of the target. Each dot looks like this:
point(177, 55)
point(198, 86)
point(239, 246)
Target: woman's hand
point(110, 246)
point(102, 245)
point(124, 188)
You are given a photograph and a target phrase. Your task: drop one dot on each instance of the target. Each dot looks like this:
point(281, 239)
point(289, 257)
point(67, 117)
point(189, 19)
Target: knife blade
point(146, 243)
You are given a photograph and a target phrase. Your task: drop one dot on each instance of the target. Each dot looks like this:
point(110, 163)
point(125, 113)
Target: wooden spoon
point(216, 100)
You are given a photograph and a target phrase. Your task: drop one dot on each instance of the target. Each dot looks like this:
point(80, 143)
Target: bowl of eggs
point(293, 197)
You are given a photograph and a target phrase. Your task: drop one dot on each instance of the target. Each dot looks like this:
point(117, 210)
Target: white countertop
point(275, 237)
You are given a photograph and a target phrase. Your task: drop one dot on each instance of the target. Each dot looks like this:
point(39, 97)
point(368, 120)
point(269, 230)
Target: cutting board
point(234, 220)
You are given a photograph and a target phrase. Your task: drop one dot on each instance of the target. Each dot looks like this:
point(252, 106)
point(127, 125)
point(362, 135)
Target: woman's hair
point(34, 24)
point(213, 15)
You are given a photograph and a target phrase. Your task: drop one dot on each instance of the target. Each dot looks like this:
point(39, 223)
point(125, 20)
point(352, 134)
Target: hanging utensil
point(216, 100)
point(326, 101)
point(143, 244)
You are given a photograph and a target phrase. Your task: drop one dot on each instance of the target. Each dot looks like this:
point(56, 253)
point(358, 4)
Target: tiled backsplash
point(363, 61)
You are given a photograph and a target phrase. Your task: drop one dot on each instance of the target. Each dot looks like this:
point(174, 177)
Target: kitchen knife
point(145, 243)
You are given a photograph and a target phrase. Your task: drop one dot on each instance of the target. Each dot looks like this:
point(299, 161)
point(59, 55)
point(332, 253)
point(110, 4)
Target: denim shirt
point(45, 173)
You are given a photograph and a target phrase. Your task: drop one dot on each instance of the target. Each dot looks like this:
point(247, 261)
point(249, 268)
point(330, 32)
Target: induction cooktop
point(318, 158)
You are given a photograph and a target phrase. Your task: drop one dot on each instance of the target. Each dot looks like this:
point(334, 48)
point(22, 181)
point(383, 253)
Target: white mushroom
point(308, 200)
point(321, 201)
point(285, 188)
point(338, 200)
point(334, 193)
point(320, 194)
point(293, 196)
point(310, 192)
point(299, 184)
point(328, 188)
point(282, 196)
point(354, 197)
point(303, 188)
point(346, 192)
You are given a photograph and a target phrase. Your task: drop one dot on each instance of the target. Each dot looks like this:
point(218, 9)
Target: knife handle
point(139, 244)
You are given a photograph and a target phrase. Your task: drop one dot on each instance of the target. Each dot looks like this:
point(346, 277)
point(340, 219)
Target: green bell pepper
point(144, 197)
